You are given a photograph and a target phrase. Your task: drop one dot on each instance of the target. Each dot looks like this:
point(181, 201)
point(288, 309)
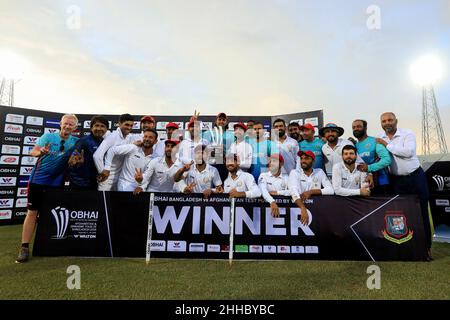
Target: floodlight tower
point(426, 71)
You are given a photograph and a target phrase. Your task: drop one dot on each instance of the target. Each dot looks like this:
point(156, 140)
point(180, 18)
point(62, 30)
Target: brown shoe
point(24, 254)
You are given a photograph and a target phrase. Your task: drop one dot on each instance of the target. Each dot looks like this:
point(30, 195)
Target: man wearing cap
point(287, 146)
point(332, 150)
point(307, 181)
point(274, 183)
point(187, 146)
point(160, 172)
point(407, 176)
point(199, 178)
point(250, 133)
point(312, 143)
point(242, 148)
point(295, 132)
point(227, 137)
point(347, 179)
point(375, 155)
point(239, 184)
point(171, 129)
point(108, 180)
point(136, 159)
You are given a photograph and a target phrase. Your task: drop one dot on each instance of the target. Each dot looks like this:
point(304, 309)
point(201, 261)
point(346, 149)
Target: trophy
point(216, 145)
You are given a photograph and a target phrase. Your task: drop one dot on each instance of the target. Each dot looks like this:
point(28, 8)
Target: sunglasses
point(61, 148)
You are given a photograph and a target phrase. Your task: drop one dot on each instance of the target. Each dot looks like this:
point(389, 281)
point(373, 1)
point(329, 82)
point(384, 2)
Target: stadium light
point(426, 70)
point(12, 65)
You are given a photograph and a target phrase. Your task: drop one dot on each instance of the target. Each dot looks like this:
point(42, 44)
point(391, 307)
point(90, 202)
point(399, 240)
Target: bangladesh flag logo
point(396, 230)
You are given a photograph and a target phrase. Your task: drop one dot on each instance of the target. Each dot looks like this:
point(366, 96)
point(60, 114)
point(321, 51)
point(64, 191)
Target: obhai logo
point(61, 216)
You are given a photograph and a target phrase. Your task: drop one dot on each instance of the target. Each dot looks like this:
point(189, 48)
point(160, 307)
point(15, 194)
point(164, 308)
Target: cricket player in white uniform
point(274, 182)
point(307, 181)
point(159, 174)
point(286, 146)
point(108, 178)
point(136, 160)
point(199, 176)
point(187, 146)
point(239, 184)
point(242, 148)
point(347, 179)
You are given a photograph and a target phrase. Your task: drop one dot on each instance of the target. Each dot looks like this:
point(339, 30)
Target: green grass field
point(45, 278)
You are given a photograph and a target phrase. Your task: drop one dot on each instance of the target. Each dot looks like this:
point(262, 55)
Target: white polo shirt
point(300, 182)
point(158, 176)
point(186, 149)
point(244, 182)
point(209, 178)
point(267, 182)
point(116, 138)
point(245, 152)
point(346, 183)
point(288, 149)
point(135, 158)
point(334, 155)
point(403, 151)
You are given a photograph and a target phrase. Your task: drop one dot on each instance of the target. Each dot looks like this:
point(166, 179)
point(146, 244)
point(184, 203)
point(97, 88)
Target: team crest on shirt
point(239, 184)
point(357, 180)
point(206, 180)
point(396, 230)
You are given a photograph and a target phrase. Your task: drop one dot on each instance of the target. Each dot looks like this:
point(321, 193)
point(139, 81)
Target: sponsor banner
point(51, 130)
point(21, 202)
point(15, 118)
point(7, 181)
point(35, 131)
point(13, 128)
point(12, 139)
point(438, 177)
point(28, 161)
point(442, 202)
point(30, 140)
point(23, 181)
point(20, 214)
point(27, 149)
point(52, 123)
point(6, 203)
point(22, 192)
point(7, 192)
point(10, 149)
point(26, 171)
point(35, 121)
point(9, 160)
point(189, 224)
point(5, 214)
point(13, 170)
point(158, 245)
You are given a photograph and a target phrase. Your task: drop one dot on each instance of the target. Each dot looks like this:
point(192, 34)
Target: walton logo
point(396, 228)
point(61, 216)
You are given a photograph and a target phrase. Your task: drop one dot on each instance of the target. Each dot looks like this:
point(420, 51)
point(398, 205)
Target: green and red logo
point(396, 230)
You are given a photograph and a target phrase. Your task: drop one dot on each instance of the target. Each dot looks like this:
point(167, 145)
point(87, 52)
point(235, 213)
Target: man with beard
point(239, 184)
point(332, 150)
point(200, 178)
point(159, 174)
point(313, 144)
point(187, 146)
point(262, 149)
point(227, 137)
point(347, 179)
point(294, 131)
point(250, 133)
point(108, 180)
point(242, 148)
point(287, 146)
point(307, 181)
point(375, 156)
point(172, 131)
point(407, 176)
point(82, 170)
point(274, 183)
point(136, 159)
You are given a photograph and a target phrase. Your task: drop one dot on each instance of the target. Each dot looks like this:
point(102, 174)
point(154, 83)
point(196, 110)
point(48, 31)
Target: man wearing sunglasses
point(48, 173)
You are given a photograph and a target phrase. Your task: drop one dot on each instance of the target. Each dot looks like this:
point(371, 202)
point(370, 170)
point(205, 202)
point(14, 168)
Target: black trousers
point(415, 183)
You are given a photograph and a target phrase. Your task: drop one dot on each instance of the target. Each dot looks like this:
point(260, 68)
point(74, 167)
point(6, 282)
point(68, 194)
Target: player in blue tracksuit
point(376, 157)
point(82, 170)
point(313, 144)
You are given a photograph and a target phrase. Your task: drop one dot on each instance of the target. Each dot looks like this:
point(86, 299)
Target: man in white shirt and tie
point(347, 179)
point(407, 176)
point(274, 182)
point(239, 184)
